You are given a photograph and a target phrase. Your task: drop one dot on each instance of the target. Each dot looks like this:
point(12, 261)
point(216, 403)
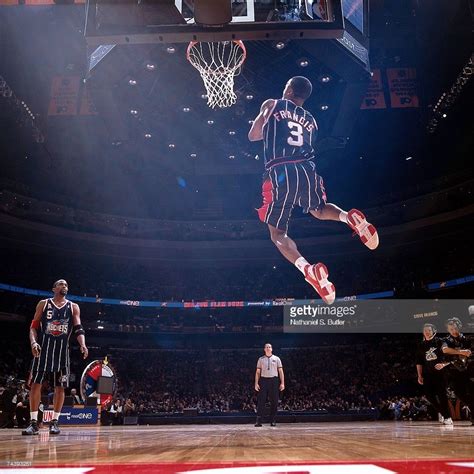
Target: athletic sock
point(301, 264)
point(56, 415)
point(343, 217)
point(33, 415)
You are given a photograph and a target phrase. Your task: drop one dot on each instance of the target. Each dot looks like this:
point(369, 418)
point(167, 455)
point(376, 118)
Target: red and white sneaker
point(365, 230)
point(317, 277)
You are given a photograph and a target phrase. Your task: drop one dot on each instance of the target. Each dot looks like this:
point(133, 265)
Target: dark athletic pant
point(269, 388)
point(434, 385)
point(463, 388)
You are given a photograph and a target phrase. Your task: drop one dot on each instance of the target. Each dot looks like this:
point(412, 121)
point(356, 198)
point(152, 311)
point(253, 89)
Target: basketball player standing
point(288, 132)
point(58, 318)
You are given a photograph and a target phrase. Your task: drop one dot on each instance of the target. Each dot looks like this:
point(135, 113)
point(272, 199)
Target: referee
point(269, 379)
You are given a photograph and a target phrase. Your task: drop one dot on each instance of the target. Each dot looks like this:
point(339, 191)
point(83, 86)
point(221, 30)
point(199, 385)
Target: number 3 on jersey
point(296, 130)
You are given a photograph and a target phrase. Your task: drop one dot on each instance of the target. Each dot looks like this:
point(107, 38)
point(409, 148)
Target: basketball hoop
point(218, 64)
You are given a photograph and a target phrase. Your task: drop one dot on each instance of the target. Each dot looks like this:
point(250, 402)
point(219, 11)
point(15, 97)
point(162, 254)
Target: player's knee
point(276, 235)
point(318, 213)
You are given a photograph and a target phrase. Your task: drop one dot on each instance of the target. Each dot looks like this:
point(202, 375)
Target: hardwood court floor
point(196, 444)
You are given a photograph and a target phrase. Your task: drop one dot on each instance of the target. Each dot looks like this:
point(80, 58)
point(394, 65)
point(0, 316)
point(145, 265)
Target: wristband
point(35, 324)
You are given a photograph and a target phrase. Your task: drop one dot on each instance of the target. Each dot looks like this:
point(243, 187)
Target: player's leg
point(281, 191)
point(329, 212)
point(355, 219)
point(284, 244)
point(315, 202)
point(316, 275)
point(58, 400)
point(35, 398)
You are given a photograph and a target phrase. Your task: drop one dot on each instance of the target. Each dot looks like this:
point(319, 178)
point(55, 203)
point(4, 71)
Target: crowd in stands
point(344, 378)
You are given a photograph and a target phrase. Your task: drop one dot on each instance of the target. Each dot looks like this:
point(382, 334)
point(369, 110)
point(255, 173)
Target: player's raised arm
point(79, 330)
point(35, 324)
point(256, 130)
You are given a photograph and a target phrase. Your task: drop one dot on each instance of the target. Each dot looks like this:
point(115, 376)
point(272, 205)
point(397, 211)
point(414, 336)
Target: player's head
point(454, 326)
point(429, 331)
point(60, 287)
point(298, 89)
point(268, 349)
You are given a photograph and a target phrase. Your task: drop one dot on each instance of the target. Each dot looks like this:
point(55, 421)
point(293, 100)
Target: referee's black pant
point(434, 385)
point(269, 388)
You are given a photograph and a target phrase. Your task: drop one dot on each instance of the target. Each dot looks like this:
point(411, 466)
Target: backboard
point(171, 21)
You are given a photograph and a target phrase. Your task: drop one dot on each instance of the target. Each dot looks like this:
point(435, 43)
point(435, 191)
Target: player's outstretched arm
point(256, 131)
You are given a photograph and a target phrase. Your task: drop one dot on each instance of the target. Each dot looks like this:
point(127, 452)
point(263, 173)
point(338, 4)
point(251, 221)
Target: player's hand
point(84, 352)
point(282, 387)
point(257, 387)
point(465, 352)
point(35, 349)
point(420, 380)
point(439, 366)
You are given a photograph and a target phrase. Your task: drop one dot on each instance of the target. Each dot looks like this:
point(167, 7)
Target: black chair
point(91, 401)
point(68, 401)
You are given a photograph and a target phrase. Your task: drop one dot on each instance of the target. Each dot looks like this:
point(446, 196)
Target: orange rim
point(240, 43)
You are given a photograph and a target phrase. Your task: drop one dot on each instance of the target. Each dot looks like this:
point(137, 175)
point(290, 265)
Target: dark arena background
point(121, 176)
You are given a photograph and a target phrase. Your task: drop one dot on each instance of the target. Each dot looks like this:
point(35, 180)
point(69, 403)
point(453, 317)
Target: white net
point(218, 63)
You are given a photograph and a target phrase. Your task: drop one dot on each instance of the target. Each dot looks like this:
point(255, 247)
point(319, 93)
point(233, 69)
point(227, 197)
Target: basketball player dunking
point(288, 132)
point(58, 318)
